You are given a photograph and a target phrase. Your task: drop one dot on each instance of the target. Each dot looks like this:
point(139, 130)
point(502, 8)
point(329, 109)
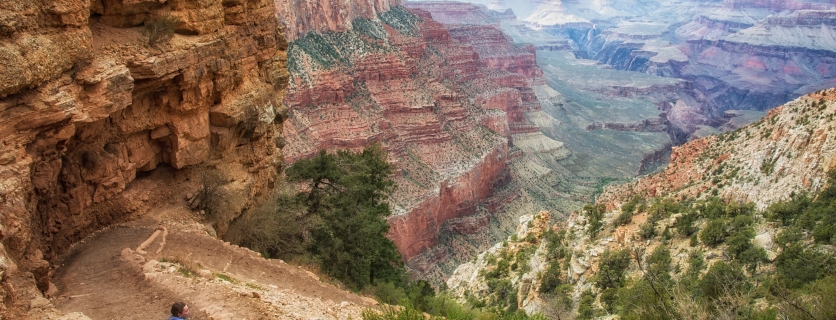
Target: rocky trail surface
point(110, 276)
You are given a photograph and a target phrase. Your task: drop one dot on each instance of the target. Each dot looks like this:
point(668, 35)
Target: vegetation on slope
point(742, 282)
point(688, 259)
point(338, 222)
point(332, 50)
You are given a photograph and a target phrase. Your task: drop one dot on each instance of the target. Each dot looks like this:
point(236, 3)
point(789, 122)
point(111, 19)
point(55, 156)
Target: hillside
point(710, 212)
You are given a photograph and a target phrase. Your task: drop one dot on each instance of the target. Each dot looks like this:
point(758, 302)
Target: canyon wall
point(88, 110)
point(301, 17)
point(444, 102)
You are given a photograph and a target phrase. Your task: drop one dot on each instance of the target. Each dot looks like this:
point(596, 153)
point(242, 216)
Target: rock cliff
point(787, 153)
point(301, 17)
point(449, 104)
point(88, 109)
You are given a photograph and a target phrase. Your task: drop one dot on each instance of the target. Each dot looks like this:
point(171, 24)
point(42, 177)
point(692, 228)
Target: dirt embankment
point(108, 276)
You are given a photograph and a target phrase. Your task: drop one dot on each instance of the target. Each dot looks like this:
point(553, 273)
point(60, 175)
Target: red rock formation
point(87, 107)
point(301, 17)
point(423, 96)
point(418, 229)
point(498, 51)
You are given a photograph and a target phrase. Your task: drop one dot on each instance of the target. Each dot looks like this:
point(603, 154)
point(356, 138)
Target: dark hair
point(177, 308)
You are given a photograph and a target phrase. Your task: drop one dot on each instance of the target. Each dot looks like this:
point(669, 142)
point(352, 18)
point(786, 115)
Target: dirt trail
point(93, 279)
point(102, 279)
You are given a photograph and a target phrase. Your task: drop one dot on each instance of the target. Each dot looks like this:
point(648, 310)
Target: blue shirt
point(175, 318)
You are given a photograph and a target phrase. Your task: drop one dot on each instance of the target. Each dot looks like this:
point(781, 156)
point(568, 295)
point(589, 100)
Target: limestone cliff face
point(87, 109)
point(301, 17)
point(443, 104)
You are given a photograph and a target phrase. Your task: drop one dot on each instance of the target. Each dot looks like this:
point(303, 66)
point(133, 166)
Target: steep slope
point(709, 182)
point(108, 276)
point(611, 131)
point(786, 152)
point(88, 110)
point(448, 103)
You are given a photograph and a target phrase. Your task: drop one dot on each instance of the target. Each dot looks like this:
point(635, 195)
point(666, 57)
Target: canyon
point(449, 105)
point(476, 132)
point(501, 119)
point(737, 55)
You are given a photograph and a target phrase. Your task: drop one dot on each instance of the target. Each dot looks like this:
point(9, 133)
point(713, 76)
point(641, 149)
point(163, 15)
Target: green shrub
point(594, 215)
point(647, 230)
point(369, 28)
point(402, 20)
point(643, 301)
point(815, 302)
point(734, 210)
point(551, 278)
point(741, 223)
point(788, 236)
point(554, 244)
point(752, 257)
point(723, 279)
point(632, 205)
point(663, 209)
point(387, 293)
point(503, 294)
point(393, 314)
point(696, 262)
point(624, 218)
point(585, 308)
point(714, 233)
point(627, 211)
point(739, 242)
point(685, 224)
point(348, 192)
point(712, 208)
point(787, 211)
point(798, 265)
point(611, 269)
point(609, 299)
point(825, 230)
point(659, 263)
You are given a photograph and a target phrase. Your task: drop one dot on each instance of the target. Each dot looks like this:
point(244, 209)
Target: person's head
point(180, 309)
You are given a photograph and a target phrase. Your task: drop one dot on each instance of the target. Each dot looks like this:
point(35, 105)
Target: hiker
point(179, 311)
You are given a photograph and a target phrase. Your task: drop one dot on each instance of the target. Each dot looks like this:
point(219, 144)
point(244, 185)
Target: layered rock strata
point(443, 105)
point(87, 108)
point(301, 17)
